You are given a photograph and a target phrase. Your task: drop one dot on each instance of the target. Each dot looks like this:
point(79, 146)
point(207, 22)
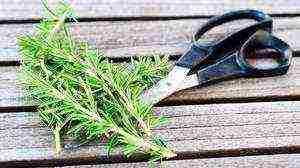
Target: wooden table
point(238, 123)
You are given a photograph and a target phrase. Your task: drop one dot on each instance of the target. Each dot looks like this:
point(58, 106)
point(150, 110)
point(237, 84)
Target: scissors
point(250, 52)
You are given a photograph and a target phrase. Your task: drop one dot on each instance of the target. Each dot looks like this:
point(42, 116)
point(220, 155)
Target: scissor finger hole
point(263, 58)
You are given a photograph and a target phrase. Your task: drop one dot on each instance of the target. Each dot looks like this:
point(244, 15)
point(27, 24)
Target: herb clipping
point(83, 95)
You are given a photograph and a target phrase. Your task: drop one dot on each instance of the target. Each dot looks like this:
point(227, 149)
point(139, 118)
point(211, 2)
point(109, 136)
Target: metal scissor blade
point(167, 86)
point(189, 81)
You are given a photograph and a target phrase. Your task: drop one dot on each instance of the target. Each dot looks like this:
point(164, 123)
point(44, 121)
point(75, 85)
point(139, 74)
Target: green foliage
point(83, 95)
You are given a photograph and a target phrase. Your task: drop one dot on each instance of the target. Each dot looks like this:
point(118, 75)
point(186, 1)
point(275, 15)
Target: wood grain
point(24, 139)
point(260, 161)
point(163, 27)
point(286, 87)
point(32, 9)
point(201, 138)
point(123, 39)
point(212, 115)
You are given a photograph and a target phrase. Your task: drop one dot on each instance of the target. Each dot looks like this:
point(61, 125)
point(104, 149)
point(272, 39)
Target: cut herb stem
point(82, 95)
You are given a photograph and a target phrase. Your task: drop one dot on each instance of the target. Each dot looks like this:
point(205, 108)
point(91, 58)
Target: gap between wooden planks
point(132, 9)
point(262, 161)
point(204, 131)
point(121, 40)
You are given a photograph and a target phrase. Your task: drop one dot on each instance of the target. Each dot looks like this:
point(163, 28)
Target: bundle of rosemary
point(81, 94)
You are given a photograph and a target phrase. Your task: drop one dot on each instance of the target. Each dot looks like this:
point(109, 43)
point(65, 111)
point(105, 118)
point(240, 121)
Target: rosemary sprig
point(83, 95)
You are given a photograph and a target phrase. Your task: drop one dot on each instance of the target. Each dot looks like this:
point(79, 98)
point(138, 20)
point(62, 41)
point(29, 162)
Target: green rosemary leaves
point(83, 95)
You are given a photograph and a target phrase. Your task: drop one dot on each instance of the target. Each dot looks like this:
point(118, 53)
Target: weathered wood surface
point(121, 39)
point(143, 27)
point(195, 132)
point(32, 9)
point(261, 161)
point(286, 87)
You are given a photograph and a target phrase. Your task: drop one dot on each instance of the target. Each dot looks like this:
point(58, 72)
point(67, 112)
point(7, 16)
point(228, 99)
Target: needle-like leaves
point(83, 95)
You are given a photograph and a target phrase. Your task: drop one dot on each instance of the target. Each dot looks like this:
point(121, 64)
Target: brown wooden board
point(32, 9)
point(122, 39)
point(214, 130)
point(261, 161)
point(286, 87)
point(195, 132)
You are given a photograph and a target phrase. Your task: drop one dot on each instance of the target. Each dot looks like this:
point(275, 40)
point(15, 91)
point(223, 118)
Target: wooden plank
point(198, 136)
point(260, 161)
point(286, 87)
point(31, 9)
point(213, 134)
point(224, 115)
point(30, 119)
point(121, 39)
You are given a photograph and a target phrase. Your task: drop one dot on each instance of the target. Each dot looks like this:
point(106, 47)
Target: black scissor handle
point(202, 55)
point(238, 64)
point(277, 50)
point(231, 16)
